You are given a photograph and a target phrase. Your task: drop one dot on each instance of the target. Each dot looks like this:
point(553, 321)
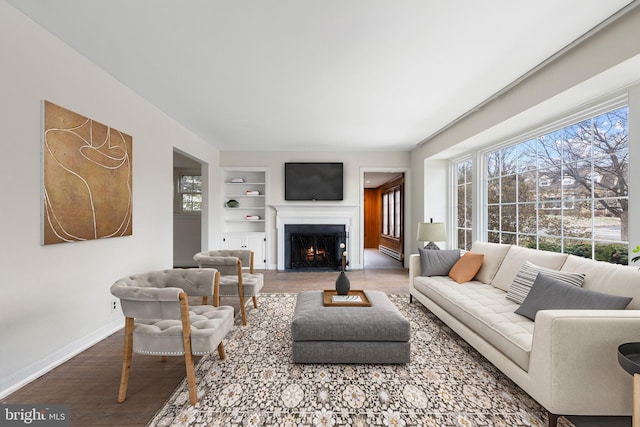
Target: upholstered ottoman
point(376, 334)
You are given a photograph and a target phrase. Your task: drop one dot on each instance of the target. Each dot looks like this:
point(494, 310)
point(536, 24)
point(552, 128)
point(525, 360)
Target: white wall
point(186, 239)
point(605, 65)
point(353, 163)
point(55, 299)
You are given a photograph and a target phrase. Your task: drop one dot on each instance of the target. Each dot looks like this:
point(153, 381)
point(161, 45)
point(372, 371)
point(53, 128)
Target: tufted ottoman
point(376, 334)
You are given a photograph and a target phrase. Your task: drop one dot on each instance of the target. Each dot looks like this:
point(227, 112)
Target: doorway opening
point(188, 204)
point(383, 215)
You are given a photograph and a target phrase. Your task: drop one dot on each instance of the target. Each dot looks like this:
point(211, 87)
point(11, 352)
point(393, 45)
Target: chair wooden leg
point(191, 378)
point(255, 302)
point(221, 351)
point(241, 294)
point(126, 361)
point(553, 419)
point(186, 339)
point(243, 310)
point(205, 300)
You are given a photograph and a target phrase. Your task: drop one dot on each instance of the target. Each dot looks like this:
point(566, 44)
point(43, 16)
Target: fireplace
point(311, 219)
point(314, 246)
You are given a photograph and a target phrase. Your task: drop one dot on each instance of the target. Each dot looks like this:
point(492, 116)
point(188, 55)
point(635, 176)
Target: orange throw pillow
point(466, 267)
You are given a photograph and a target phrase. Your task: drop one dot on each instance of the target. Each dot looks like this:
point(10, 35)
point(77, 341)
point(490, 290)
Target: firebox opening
point(313, 246)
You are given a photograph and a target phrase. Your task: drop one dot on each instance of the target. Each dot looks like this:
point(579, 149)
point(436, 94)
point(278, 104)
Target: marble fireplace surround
point(312, 214)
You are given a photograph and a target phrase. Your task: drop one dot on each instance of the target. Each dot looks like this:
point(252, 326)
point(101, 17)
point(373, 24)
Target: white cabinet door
point(256, 242)
point(252, 241)
point(233, 241)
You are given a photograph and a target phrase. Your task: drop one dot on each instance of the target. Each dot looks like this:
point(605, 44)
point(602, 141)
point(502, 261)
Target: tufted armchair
point(237, 275)
point(160, 322)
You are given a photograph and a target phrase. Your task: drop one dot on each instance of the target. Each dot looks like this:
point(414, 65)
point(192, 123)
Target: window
point(462, 210)
point(392, 212)
point(190, 190)
point(580, 203)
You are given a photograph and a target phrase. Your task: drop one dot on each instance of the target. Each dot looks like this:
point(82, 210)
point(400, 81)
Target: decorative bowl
point(629, 357)
point(232, 203)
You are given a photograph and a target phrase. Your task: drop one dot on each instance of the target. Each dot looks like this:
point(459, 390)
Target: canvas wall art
point(87, 178)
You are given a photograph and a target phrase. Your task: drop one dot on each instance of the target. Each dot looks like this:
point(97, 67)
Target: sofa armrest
point(574, 353)
point(414, 268)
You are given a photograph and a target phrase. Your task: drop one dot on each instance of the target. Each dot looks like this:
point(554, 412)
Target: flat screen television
point(313, 181)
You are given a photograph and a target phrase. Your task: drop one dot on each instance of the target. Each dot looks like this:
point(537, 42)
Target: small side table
point(629, 359)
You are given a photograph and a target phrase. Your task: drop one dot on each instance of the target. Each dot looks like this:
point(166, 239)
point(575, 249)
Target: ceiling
point(317, 75)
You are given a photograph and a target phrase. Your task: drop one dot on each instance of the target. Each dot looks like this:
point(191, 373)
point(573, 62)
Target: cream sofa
point(567, 359)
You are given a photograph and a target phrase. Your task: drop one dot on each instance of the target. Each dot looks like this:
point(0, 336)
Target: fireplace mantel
point(312, 214)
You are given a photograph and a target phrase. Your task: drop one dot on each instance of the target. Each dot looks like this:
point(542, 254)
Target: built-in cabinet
point(244, 211)
point(253, 241)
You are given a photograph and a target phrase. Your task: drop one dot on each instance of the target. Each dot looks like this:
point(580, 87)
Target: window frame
point(181, 193)
point(392, 211)
point(455, 188)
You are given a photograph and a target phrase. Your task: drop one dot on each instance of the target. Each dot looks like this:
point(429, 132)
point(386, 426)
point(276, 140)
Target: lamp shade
point(431, 232)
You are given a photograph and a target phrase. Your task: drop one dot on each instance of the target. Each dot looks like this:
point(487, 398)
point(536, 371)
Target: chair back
point(225, 260)
point(155, 295)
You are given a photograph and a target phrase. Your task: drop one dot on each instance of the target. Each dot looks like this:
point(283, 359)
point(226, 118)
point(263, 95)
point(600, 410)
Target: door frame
point(407, 208)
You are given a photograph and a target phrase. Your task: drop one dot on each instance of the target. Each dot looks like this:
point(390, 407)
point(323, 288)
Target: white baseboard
point(32, 372)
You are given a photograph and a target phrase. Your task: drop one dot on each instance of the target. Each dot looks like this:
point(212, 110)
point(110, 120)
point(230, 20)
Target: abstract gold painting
point(87, 178)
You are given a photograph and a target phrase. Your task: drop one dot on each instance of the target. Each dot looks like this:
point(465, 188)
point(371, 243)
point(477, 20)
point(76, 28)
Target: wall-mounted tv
point(313, 181)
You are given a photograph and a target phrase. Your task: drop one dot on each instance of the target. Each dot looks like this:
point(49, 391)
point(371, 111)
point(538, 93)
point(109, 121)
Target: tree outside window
point(190, 190)
point(564, 191)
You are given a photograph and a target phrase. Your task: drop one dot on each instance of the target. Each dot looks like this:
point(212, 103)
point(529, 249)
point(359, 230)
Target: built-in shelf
point(237, 231)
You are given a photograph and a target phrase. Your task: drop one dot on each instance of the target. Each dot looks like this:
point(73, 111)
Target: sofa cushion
point(517, 256)
point(493, 253)
point(527, 275)
point(437, 262)
point(466, 267)
point(609, 278)
point(485, 310)
point(549, 293)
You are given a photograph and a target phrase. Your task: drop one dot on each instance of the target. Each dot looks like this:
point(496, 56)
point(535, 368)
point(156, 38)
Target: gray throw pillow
point(527, 275)
point(437, 262)
point(548, 293)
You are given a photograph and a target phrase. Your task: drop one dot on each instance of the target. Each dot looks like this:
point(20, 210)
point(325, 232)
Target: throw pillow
point(466, 267)
point(437, 262)
point(527, 275)
point(548, 293)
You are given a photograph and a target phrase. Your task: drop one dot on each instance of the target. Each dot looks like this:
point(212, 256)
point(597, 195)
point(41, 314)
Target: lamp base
point(431, 246)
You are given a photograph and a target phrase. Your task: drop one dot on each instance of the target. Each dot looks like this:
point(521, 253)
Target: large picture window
point(564, 191)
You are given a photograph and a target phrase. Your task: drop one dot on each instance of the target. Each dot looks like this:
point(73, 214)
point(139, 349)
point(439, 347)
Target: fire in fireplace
point(313, 250)
point(314, 246)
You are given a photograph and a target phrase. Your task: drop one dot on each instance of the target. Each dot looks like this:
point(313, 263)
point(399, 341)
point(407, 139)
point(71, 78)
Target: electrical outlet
point(114, 305)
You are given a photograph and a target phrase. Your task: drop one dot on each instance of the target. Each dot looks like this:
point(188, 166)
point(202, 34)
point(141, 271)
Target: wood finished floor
point(89, 382)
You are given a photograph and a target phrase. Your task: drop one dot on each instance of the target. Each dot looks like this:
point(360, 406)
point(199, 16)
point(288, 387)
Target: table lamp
point(430, 232)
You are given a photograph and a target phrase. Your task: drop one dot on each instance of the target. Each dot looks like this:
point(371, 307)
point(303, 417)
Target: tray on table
point(328, 302)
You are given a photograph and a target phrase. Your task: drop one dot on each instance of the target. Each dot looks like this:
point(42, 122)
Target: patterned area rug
point(447, 382)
